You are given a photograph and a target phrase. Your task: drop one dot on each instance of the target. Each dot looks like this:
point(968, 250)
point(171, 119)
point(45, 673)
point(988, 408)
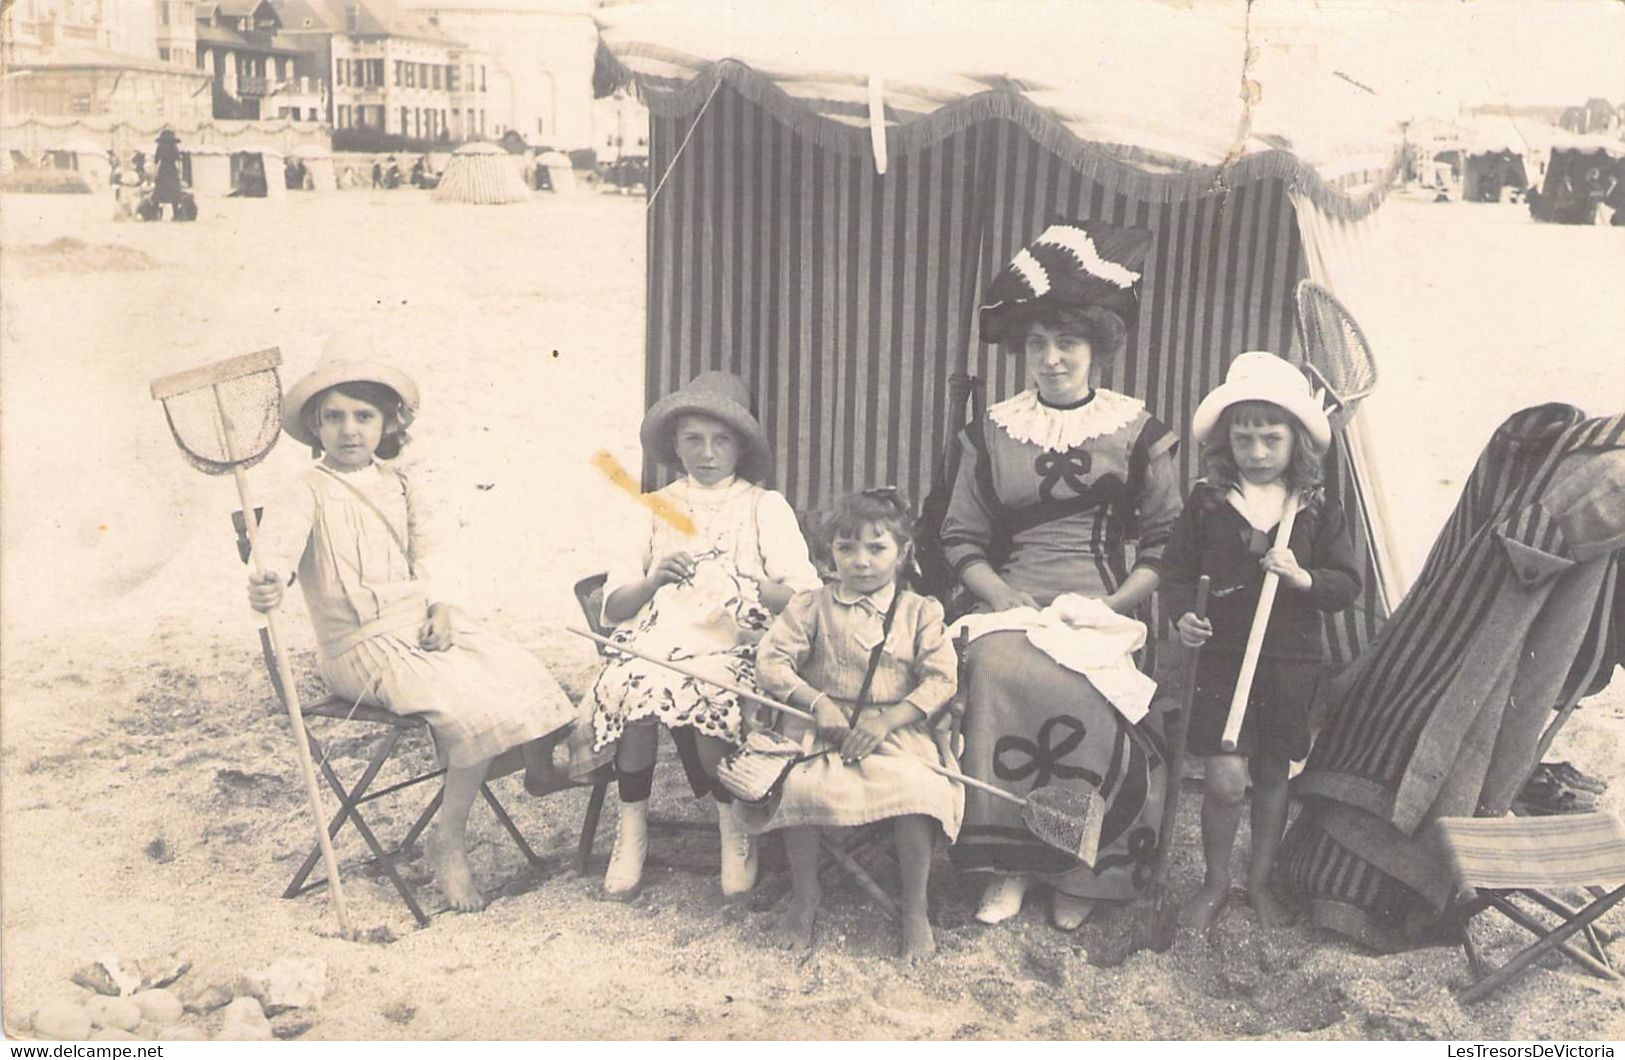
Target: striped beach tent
point(832, 187)
point(481, 173)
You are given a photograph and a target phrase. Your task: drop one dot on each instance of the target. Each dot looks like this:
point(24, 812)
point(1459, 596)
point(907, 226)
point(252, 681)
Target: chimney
point(352, 18)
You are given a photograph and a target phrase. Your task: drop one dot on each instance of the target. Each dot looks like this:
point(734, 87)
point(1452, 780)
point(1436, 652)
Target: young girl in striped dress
point(873, 664)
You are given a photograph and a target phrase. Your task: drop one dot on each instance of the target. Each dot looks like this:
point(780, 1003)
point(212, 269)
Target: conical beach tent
point(829, 202)
point(481, 173)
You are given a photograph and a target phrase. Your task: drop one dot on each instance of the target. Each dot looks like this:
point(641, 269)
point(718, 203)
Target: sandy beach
point(151, 802)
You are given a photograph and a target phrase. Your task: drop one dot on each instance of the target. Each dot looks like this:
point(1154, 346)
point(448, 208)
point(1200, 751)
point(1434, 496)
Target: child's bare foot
point(449, 861)
point(796, 929)
point(919, 944)
point(1269, 909)
point(1203, 910)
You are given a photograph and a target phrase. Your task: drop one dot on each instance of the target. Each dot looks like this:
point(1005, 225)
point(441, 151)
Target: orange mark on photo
point(662, 508)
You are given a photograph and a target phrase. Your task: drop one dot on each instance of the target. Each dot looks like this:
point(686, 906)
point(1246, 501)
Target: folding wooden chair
point(1495, 859)
point(394, 729)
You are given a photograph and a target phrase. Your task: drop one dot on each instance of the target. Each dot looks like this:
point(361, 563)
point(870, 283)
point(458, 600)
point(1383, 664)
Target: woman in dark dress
point(1055, 484)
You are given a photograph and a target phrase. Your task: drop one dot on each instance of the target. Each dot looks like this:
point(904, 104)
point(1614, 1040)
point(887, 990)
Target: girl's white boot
point(738, 851)
point(1002, 899)
point(624, 878)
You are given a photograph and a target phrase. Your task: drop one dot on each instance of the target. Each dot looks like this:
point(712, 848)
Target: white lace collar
point(1026, 419)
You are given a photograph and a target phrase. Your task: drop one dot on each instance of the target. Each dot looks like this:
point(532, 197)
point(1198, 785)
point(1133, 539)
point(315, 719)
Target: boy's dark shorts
point(1277, 721)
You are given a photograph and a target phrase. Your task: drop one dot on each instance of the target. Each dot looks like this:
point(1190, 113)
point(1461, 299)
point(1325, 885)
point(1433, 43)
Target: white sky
point(1436, 54)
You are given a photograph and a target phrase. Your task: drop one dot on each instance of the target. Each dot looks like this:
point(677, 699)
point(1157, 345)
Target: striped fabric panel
point(1500, 853)
point(1386, 708)
point(485, 179)
point(847, 299)
point(766, 253)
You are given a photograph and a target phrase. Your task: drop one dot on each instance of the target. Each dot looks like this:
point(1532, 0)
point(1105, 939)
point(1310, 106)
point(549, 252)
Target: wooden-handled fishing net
point(1337, 356)
point(225, 417)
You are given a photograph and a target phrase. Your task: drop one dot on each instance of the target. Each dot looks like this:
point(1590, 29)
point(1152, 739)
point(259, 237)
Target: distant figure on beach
point(377, 175)
point(417, 173)
point(167, 184)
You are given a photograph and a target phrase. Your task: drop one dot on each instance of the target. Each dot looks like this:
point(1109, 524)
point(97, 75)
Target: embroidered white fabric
point(1087, 637)
point(1026, 419)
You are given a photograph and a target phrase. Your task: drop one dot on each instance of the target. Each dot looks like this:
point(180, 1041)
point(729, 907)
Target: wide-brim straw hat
point(1260, 376)
point(722, 396)
point(346, 358)
point(1071, 265)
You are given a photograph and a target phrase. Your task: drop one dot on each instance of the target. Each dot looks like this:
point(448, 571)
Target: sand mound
point(78, 257)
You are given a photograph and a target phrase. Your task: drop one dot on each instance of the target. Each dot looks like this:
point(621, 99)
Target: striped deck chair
point(1495, 859)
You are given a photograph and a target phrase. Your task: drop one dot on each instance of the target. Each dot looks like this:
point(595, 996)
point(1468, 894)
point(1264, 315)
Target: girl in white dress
point(718, 557)
point(360, 533)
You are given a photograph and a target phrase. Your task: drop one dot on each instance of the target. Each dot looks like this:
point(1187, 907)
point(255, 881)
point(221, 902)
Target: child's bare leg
point(448, 845)
point(1224, 789)
point(738, 849)
point(1269, 775)
point(913, 837)
point(795, 930)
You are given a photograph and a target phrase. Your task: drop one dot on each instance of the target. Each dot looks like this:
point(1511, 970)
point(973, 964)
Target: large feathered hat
point(1071, 265)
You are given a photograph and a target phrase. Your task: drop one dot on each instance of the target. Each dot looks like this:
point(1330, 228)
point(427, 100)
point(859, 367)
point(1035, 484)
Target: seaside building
point(94, 59)
point(253, 67)
point(540, 57)
point(176, 38)
point(389, 70)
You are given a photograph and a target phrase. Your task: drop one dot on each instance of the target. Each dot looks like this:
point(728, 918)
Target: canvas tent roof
point(1156, 88)
point(1491, 133)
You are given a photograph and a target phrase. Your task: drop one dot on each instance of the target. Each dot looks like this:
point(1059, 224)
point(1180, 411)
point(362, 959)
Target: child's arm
point(630, 583)
point(1335, 577)
point(936, 678)
point(1181, 563)
point(780, 657)
point(785, 556)
point(433, 564)
point(279, 544)
point(1181, 567)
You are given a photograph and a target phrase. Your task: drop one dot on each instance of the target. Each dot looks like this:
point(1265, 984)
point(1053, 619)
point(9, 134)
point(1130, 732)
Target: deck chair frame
point(394, 728)
point(1546, 858)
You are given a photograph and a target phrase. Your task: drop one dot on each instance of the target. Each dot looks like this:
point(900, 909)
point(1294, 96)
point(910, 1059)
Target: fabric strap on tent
point(847, 299)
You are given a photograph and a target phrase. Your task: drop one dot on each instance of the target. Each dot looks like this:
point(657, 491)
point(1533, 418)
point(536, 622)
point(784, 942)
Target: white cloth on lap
point(1084, 635)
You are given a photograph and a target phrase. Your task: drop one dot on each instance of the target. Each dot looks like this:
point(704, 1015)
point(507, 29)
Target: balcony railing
point(252, 87)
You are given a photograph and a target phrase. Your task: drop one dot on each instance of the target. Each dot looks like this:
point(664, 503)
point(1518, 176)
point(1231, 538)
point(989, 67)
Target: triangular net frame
point(1337, 355)
point(252, 406)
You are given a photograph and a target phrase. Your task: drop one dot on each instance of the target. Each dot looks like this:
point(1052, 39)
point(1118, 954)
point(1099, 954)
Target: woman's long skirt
point(1031, 723)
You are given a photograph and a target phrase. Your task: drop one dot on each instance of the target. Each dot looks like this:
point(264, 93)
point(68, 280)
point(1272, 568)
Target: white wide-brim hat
point(1260, 376)
point(347, 358)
